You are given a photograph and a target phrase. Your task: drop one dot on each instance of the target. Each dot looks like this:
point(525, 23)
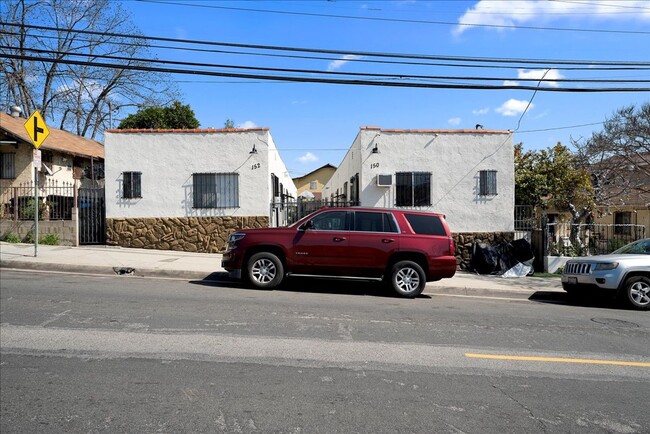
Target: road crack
point(530, 413)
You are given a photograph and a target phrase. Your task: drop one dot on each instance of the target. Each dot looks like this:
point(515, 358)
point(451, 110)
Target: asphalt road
point(123, 354)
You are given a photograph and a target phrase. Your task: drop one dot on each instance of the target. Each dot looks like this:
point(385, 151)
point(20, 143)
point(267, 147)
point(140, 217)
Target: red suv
point(403, 247)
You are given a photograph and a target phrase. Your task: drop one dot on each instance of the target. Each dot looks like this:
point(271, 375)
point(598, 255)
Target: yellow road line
point(557, 360)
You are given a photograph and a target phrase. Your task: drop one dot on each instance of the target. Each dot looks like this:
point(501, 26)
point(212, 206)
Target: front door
point(322, 247)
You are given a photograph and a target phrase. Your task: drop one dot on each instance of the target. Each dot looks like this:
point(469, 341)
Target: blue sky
point(314, 124)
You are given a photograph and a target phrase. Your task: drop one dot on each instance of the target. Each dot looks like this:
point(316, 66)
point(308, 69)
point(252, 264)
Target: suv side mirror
point(309, 224)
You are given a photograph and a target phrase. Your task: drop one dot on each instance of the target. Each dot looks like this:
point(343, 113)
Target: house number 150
point(374, 165)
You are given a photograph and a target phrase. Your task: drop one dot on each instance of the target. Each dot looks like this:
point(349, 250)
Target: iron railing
point(55, 201)
point(294, 210)
point(568, 239)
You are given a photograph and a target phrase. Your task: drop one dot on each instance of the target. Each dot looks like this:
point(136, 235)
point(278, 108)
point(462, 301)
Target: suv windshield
point(641, 247)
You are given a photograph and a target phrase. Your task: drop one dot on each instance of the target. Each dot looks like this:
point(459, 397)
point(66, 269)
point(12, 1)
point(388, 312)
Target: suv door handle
point(339, 239)
point(387, 240)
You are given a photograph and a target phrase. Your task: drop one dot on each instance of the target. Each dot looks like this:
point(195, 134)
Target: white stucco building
point(468, 175)
point(188, 189)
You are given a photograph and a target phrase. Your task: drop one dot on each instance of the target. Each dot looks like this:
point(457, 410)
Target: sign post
point(38, 132)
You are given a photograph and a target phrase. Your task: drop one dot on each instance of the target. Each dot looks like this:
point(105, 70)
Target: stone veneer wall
point(210, 234)
point(464, 242)
point(189, 234)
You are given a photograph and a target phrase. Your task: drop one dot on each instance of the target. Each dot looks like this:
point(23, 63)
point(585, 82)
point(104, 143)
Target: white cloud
point(510, 83)
point(513, 107)
point(519, 12)
point(308, 158)
point(89, 90)
point(481, 111)
point(537, 74)
point(247, 124)
point(454, 121)
point(336, 64)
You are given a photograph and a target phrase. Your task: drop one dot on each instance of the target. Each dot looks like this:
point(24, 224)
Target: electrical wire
point(309, 79)
point(397, 20)
point(547, 62)
point(59, 54)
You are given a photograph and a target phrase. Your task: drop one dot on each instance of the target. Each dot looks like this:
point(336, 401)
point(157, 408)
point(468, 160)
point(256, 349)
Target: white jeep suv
point(624, 273)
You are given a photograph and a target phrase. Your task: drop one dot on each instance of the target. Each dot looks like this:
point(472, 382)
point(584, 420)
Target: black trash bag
point(523, 251)
point(499, 259)
point(485, 259)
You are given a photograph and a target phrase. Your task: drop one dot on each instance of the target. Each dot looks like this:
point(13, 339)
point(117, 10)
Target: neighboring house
point(189, 189)
point(468, 175)
point(629, 193)
point(314, 181)
point(68, 162)
point(622, 216)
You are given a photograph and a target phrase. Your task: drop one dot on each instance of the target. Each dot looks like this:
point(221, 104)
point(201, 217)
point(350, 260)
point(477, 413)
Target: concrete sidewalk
point(206, 266)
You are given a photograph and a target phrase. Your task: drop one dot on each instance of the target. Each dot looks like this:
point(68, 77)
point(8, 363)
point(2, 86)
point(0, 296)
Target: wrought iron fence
point(294, 210)
point(55, 201)
point(567, 239)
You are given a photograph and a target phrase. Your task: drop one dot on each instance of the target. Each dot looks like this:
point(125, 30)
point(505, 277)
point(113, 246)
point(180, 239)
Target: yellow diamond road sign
point(36, 129)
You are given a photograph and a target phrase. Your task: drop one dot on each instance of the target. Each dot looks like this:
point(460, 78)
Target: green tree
point(552, 178)
point(176, 116)
point(229, 124)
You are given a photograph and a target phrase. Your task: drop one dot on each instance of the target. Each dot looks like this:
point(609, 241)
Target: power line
point(398, 20)
point(308, 79)
point(546, 62)
point(361, 59)
point(395, 76)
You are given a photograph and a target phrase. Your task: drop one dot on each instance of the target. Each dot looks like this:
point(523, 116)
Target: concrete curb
point(111, 271)
point(217, 276)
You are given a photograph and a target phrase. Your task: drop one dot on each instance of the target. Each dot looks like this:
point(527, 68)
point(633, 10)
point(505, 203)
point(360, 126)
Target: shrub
point(29, 238)
point(50, 239)
point(27, 212)
point(615, 244)
point(11, 238)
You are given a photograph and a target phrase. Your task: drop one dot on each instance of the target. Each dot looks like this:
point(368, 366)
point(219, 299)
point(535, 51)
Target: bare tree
point(78, 97)
point(618, 157)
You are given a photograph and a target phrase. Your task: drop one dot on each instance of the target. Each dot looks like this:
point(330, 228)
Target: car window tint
point(389, 223)
point(330, 221)
point(368, 221)
point(426, 225)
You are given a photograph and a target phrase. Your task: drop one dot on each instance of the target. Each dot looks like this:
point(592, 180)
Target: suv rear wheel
point(265, 270)
point(408, 278)
point(636, 290)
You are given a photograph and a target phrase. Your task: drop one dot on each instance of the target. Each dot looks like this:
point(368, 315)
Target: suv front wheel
point(265, 270)
point(637, 292)
point(408, 278)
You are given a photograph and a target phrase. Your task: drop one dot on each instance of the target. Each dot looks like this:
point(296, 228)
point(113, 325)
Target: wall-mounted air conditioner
point(384, 180)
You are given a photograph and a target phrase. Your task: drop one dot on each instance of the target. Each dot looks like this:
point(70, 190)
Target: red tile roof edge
point(394, 130)
point(190, 131)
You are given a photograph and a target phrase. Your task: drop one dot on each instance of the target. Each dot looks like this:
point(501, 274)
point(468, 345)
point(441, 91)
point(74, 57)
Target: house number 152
point(256, 166)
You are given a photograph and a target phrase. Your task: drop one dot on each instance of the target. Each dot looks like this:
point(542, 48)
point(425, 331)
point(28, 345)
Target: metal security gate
point(92, 216)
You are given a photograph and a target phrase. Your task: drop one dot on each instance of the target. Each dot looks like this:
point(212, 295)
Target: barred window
point(216, 190)
point(623, 223)
point(131, 185)
point(7, 165)
point(488, 183)
point(413, 189)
